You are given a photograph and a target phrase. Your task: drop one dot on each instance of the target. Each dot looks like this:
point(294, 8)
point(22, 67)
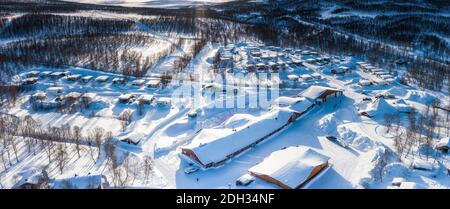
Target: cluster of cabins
point(255, 57)
point(212, 147)
point(34, 178)
point(33, 76)
point(144, 99)
point(54, 98)
point(382, 76)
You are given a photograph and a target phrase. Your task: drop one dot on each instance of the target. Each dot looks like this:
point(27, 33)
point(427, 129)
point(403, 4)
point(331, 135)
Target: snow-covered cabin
point(55, 75)
point(39, 96)
point(31, 74)
point(290, 168)
point(29, 81)
point(45, 74)
point(340, 70)
point(125, 98)
point(153, 83)
point(293, 77)
point(163, 102)
point(31, 178)
point(365, 83)
point(379, 107)
point(443, 144)
point(55, 90)
point(408, 185)
point(88, 98)
point(397, 181)
point(119, 80)
point(102, 78)
point(87, 78)
point(138, 82)
point(422, 165)
point(73, 77)
point(298, 105)
point(316, 75)
point(306, 77)
point(146, 98)
point(214, 146)
point(81, 182)
point(73, 96)
point(319, 94)
point(132, 138)
point(297, 62)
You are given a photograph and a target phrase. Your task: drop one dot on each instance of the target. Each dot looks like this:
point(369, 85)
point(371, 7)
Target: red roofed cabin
point(319, 94)
point(290, 168)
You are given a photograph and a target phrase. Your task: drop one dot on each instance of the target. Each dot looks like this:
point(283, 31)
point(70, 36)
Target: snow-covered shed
point(87, 78)
point(32, 74)
point(55, 90)
point(39, 96)
point(73, 95)
point(213, 146)
point(89, 97)
point(73, 77)
point(290, 168)
point(81, 182)
point(380, 107)
point(131, 138)
point(102, 78)
point(318, 94)
point(120, 80)
point(138, 82)
point(31, 178)
point(408, 185)
point(125, 98)
point(153, 83)
point(443, 144)
point(294, 104)
point(146, 98)
point(340, 70)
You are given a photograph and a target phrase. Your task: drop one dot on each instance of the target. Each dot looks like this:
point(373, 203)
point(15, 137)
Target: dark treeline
point(98, 51)
point(415, 32)
point(52, 25)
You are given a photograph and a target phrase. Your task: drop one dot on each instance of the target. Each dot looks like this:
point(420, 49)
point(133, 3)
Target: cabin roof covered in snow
point(133, 136)
point(31, 175)
point(102, 78)
point(90, 95)
point(444, 142)
point(125, 96)
point(79, 182)
point(215, 144)
point(408, 185)
point(314, 92)
point(290, 166)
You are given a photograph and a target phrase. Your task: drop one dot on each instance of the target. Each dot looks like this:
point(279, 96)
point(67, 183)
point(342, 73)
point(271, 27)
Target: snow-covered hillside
point(105, 99)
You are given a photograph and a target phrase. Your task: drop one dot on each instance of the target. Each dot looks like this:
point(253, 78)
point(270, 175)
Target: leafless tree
point(77, 139)
point(97, 134)
point(61, 157)
point(2, 155)
point(141, 107)
point(125, 118)
point(388, 122)
point(28, 132)
point(148, 167)
point(49, 149)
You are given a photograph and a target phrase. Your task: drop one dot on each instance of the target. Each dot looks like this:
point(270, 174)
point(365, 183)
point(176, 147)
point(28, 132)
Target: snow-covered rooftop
point(291, 166)
point(216, 144)
point(314, 92)
point(79, 182)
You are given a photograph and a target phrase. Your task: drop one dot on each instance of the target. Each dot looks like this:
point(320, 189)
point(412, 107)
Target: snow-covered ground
point(370, 160)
